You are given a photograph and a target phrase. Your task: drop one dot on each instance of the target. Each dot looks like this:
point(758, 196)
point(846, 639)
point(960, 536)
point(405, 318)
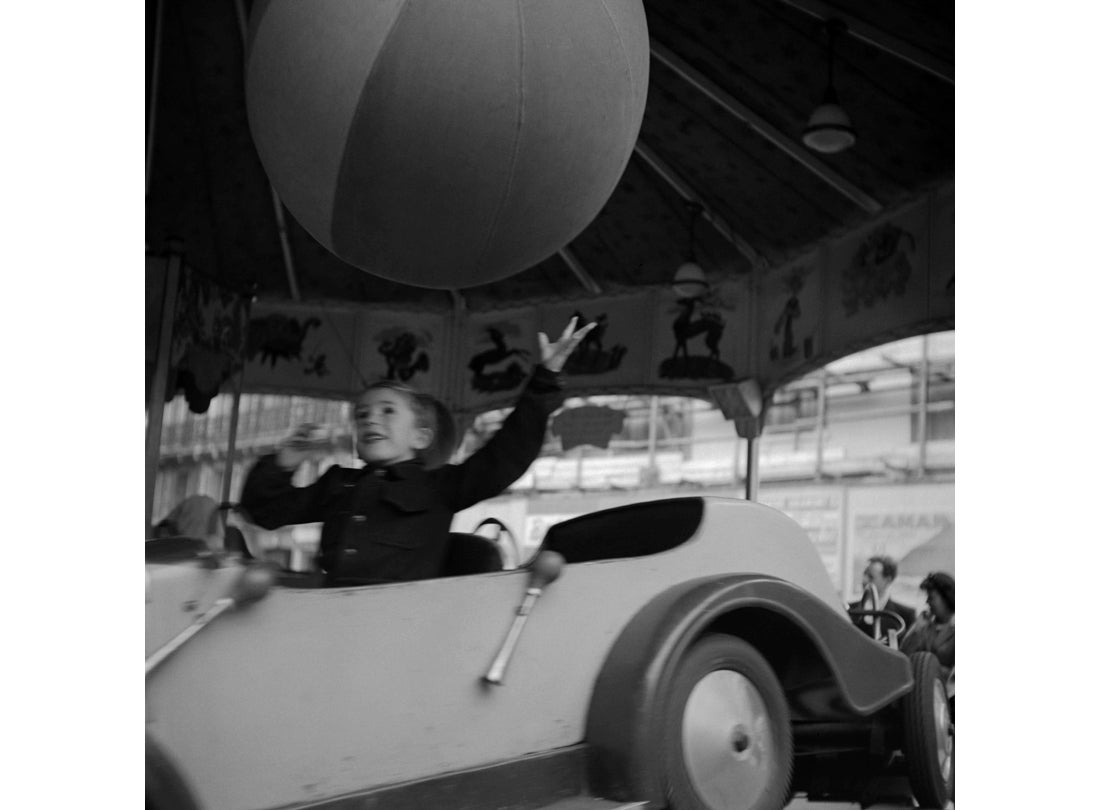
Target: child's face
point(385, 428)
point(938, 605)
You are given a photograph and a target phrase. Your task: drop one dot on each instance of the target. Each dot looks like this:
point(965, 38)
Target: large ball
point(446, 144)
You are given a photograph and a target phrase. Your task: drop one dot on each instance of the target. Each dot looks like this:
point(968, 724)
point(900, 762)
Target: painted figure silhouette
point(684, 328)
point(499, 352)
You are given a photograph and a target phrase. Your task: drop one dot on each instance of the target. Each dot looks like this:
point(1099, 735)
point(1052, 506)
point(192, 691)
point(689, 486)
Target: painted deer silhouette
point(593, 341)
point(684, 328)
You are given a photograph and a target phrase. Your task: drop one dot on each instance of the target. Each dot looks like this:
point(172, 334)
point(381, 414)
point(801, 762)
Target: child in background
point(389, 521)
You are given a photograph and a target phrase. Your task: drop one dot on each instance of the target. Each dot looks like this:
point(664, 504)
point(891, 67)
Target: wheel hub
point(728, 740)
point(741, 741)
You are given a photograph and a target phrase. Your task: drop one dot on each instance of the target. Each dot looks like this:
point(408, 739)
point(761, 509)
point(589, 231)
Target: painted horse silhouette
point(481, 364)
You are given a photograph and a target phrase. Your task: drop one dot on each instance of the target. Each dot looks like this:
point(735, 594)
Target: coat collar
point(402, 471)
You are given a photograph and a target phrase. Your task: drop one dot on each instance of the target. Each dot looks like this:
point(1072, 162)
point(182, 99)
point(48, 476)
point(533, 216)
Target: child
point(389, 521)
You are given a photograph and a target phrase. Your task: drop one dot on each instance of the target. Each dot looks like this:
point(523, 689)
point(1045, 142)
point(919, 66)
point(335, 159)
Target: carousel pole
point(231, 448)
point(752, 468)
point(743, 404)
point(276, 200)
point(160, 377)
point(151, 103)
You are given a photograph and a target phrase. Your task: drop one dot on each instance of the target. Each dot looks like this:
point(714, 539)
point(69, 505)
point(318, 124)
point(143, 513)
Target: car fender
point(830, 669)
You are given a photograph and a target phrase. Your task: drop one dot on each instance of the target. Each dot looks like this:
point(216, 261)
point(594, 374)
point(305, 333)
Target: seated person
point(196, 516)
point(389, 521)
point(194, 529)
point(934, 630)
point(881, 571)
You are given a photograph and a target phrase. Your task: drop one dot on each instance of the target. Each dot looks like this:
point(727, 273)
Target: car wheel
point(928, 734)
point(729, 730)
point(164, 787)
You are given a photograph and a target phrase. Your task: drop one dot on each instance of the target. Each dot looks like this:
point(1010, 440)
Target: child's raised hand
point(554, 355)
point(308, 440)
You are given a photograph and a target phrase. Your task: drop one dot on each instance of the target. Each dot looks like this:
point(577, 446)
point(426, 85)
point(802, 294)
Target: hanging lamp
point(829, 129)
point(690, 281)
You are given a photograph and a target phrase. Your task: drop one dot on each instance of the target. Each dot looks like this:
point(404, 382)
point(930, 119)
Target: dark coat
point(931, 636)
point(391, 524)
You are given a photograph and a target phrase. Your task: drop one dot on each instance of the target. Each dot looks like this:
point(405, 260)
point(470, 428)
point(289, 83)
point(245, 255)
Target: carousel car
point(685, 653)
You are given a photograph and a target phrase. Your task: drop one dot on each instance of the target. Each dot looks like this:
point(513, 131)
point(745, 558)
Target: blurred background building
point(861, 453)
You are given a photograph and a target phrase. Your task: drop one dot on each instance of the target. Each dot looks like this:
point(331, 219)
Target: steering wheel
point(505, 540)
point(870, 609)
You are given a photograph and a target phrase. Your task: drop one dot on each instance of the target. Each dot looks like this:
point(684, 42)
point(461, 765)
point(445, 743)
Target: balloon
point(446, 144)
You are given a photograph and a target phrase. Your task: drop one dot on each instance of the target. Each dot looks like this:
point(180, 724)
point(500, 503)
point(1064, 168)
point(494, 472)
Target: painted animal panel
point(278, 337)
point(500, 367)
point(881, 268)
point(709, 325)
point(590, 357)
point(405, 352)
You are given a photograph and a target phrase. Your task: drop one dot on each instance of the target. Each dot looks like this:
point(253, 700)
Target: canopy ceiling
point(731, 87)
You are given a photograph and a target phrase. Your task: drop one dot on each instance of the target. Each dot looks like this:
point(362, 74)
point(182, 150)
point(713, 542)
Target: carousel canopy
point(800, 153)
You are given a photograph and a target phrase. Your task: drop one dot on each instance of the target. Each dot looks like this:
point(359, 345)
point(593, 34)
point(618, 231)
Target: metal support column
point(151, 102)
point(922, 413)
point(651, 475)
point(819, 461)
point(743, 404)
point(231, 445)
point(736, 464)
point(752, 468)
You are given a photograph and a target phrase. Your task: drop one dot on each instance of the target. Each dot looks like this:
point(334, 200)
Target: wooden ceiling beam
point(685, 190)
point(583, 276)
point(878, 38)
point(778, 138)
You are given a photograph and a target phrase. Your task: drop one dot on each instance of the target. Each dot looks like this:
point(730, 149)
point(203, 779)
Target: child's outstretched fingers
point(554, 355)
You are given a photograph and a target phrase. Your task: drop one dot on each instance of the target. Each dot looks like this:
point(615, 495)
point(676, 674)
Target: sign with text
point(818, 512)
point(913, 524)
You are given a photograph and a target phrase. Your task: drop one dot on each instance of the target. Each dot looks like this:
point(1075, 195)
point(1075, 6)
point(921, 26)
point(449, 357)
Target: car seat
point(471, 554)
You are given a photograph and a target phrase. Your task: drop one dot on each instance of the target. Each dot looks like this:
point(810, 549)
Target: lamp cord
point(694, 209)
point(832, 28)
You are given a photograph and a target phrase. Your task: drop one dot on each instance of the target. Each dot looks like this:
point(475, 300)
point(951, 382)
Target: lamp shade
point(445, 144)
point(690, 281)
point(829, 129)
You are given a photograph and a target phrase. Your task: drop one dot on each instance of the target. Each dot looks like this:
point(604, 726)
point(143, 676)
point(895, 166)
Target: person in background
point(934, 630)
point(197, 517)
point(881, 571)
point(389, 521)
point(200, 517)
